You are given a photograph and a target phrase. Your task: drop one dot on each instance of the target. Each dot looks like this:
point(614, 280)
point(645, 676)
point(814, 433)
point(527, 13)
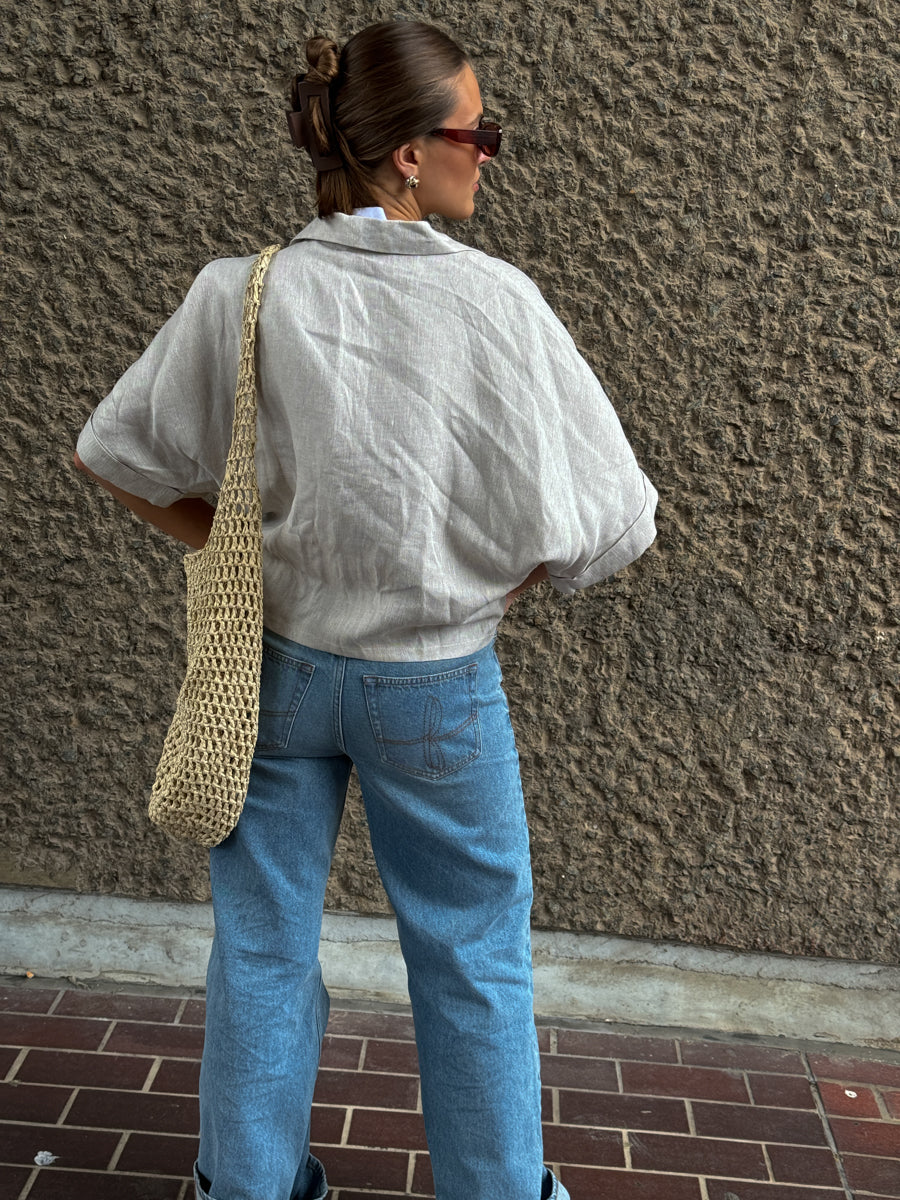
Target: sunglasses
point(486, 137)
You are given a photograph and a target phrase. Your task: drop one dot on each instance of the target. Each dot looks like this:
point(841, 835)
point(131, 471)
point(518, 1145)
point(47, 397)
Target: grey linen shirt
point(428, 434)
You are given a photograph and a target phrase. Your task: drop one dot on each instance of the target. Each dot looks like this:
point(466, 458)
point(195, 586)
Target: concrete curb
point(58, 934)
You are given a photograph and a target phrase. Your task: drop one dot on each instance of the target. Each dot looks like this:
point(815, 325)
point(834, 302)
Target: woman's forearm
point(538, 575)
point(189, 520)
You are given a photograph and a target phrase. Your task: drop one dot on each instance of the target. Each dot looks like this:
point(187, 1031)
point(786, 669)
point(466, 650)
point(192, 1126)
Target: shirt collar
point(380, 237)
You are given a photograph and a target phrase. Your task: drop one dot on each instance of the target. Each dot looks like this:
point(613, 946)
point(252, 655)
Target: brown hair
point(392, 82)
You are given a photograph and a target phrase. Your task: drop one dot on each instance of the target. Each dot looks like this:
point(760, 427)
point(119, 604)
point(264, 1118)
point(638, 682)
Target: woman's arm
point(538, 575)
point(189, 520)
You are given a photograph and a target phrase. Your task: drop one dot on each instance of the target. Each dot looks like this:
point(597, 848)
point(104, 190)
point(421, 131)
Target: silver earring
point(412, 182)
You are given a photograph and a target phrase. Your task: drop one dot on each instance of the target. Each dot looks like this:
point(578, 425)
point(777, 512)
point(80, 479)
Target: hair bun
point(322, 55)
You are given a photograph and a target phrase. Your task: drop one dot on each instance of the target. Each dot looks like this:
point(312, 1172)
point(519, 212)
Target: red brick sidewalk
point(102, 1086)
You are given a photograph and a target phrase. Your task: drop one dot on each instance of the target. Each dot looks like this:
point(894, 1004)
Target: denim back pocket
point(282, 687)
point(425, 725)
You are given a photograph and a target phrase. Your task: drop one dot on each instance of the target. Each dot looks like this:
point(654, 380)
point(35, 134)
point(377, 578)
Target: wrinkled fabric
point(428, 435)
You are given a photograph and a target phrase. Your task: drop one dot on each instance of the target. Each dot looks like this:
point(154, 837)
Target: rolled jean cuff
point(557, 1191)
point(318, 1188)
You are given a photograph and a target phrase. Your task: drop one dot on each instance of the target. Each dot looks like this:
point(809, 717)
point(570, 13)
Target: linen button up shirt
point(428, 434)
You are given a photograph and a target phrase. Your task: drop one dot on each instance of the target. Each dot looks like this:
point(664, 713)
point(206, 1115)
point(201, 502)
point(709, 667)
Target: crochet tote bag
point(203, 773)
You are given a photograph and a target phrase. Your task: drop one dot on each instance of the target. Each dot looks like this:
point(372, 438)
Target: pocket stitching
point(469, 676)
point(304, 672)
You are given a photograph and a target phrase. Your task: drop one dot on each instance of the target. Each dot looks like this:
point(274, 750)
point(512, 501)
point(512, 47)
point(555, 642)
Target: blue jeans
point(434, 751)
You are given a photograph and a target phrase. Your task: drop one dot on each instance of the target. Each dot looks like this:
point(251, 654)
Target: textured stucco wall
point(707, 194)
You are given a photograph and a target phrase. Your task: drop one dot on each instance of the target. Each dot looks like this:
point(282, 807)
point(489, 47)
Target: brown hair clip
point(300, 122)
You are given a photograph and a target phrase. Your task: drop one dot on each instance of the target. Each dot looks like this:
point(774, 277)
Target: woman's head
point(383, 95)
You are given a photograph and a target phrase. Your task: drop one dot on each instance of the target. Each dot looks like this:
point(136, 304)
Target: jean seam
point(413, 681)
point(338, 702)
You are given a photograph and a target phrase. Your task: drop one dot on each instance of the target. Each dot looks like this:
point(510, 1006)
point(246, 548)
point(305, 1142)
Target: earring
point(412, 182)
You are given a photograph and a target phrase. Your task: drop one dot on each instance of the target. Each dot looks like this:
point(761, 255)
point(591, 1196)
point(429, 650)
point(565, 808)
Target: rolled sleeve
point(591, 510)
point(104, 463)
point(164, 430)
point(629, 546)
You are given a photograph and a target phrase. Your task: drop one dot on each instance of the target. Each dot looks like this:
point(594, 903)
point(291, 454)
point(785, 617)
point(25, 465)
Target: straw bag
point(202, 777)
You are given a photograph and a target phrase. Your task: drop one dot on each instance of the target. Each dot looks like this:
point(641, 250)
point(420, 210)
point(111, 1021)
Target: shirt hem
point(384, 651)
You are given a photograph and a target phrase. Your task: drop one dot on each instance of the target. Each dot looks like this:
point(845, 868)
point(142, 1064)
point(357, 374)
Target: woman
point(430, 445)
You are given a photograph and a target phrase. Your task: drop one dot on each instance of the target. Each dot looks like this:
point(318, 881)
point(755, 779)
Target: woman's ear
point(406, 159)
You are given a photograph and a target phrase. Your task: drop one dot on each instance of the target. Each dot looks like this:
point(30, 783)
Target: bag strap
point(239, 492)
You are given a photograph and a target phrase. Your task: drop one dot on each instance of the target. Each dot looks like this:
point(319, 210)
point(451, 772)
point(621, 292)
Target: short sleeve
point(164, 430)
point(596, 504)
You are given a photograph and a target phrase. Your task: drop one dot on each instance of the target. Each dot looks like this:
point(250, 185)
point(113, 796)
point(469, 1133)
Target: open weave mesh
point(204, 770)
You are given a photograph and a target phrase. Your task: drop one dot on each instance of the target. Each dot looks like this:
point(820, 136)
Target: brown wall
point(706, 192)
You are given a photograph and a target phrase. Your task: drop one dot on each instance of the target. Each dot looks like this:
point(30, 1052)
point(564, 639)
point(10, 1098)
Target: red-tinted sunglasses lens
point(489, 142)
point(486, 138)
